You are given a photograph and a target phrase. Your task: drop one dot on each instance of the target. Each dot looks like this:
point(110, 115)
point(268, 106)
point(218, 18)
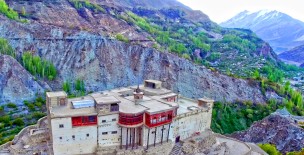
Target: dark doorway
point(177, 139)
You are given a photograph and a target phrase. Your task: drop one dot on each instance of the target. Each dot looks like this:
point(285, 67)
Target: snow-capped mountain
point(279, 29)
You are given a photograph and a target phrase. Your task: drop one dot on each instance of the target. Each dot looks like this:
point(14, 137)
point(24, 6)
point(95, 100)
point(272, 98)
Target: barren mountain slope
point(15, 82)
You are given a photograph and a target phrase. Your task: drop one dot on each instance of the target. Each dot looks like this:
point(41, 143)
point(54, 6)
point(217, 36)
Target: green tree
point(8, 12)
point(5, 48)
point(66, 87)
point(256, 74)
point(38, 67)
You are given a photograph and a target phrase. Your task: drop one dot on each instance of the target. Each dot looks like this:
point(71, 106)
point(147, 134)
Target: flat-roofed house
point(124, 118)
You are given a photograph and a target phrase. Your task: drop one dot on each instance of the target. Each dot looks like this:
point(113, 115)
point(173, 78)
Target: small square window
point(73, 136)
point(114, 119)
point(104, 133)
point(60, 138)
point(114, 132)
point(103, 121)
point(61, 125)
point(88, 135)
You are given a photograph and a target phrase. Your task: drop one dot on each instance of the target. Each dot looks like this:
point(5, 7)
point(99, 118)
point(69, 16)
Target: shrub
point(8, 12)
point(66, 87)
point(11, 105)
point(5, 48)
point(301, 152)
point(87, 4)
point(270, 149)
point(18, 122)
point(5, 119)
point(38, 115)
point(31, 106)
point(120, 37)
point(186, 56)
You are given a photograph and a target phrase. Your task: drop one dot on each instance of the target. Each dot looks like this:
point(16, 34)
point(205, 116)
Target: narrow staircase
point(176, 149)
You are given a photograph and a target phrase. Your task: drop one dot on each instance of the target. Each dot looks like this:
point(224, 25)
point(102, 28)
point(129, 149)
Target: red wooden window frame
point(84, 121)
point(130, 119)
point(159, 119)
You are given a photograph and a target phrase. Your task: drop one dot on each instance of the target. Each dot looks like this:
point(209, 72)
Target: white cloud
point(222, 10)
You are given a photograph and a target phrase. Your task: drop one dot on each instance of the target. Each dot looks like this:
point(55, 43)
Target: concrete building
point(125, 118)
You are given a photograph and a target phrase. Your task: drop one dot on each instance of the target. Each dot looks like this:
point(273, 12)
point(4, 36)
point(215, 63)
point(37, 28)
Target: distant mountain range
point(280, 30)
point(294, 56)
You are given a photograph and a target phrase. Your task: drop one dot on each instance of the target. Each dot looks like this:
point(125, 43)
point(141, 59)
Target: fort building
point(125, 118)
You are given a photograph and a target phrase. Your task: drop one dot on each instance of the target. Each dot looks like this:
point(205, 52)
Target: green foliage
point(8, 12)
point(143, 24)
point(38, 67)
point(5, 119)
point(18, 122)
point(37, 115)
point(77, 90)
point(11, 105)
point(178, 48)
point(186, 56)
point(13, 121)
point(256, 74)
point(237, 42)
point(66, 87)
point(87, 4)
point(214, 56)
point(199, 42)
point(301, 152)
point(5, 48)
point(79, 85)
point(270, 149)
point(273, 73)
point(120, 37)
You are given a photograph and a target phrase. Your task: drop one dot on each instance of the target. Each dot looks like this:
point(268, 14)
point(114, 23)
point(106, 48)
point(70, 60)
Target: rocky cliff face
point(106, 64)
point(15, 82)
point(280, 129)
point(80, 44)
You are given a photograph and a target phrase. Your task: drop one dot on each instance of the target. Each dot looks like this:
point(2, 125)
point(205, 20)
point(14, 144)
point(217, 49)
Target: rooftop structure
point(124, 118)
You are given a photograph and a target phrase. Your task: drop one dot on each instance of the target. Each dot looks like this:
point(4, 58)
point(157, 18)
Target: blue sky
point(222, 10)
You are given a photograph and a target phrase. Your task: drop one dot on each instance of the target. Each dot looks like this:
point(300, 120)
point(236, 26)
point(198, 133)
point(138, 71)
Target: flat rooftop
point(154, 106)
point(129, 107)
point(68, 110)
point(152, 102)
point(187, 105)
point(151, 91)
point(105, 99)
point(55, 94)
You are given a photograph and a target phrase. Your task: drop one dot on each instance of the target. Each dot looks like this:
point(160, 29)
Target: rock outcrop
point(15, 82)
point(280, 129)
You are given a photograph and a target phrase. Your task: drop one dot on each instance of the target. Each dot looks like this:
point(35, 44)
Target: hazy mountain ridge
point(279, 29)
point(295, 55)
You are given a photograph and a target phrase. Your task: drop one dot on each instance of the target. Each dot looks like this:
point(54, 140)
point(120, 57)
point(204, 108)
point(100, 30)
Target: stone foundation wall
point(159, 149)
